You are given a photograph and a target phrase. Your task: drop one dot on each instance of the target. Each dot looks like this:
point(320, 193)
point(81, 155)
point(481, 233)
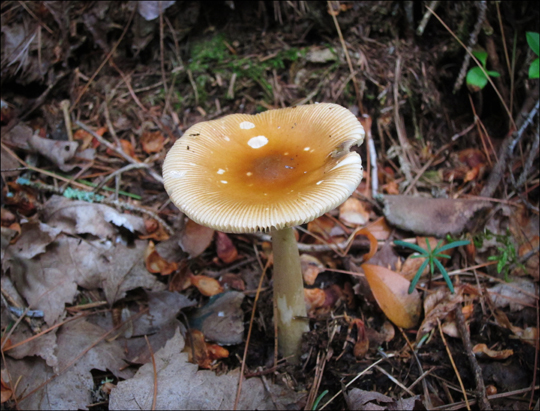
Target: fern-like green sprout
point(432, 258)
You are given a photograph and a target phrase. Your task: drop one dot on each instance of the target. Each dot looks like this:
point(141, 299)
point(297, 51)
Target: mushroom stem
point(288, 294)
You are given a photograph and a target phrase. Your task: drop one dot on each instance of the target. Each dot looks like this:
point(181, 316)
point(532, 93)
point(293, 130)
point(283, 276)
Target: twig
point(394, 380)
point(118, 150)
point(243, 367)
point(477, 371)
point(64, 104)
point(482, 8)
point(355, 378)
point(427, 15)
point(104, 61)
point(506, 150)
point(346, 51)
point(535, 354)
point(118, 172)
point(454, 364)
point(84, 352)
point(479, 65)
point(459, 405)
point(155, 372)
point(530, 159)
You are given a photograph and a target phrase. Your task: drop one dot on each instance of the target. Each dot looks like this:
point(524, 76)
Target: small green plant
point(476, 79)
point(534, 40)
point(318, 400)
point(432, 258)
point(507, 255)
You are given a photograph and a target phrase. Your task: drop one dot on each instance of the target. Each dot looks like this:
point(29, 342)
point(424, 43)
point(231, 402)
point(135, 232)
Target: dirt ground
point(114, 299)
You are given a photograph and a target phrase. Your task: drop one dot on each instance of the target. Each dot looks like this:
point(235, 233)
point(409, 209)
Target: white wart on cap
point(280, 168)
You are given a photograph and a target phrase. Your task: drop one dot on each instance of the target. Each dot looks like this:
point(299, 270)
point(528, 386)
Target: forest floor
point(113, 299)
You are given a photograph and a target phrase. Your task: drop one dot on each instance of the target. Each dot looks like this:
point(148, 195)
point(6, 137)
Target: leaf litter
point(91, 274)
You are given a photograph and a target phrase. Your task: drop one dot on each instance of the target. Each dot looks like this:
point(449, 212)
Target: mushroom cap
point(280, 168)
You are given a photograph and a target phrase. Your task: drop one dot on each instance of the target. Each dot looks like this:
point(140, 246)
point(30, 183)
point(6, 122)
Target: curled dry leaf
point(390, 290)
point(322, 227)
point(232, 281)
point(449, 327)
point(319, 301)
point(126, 147)
point(353, 212)
point(207, 286)
point(200, 352)
point(152, 142)
point(21, 197)
point(311, 267)
point(226, 250)
point(6, 392)
point(195, 238)
point(379, 229)
point(59, 152)
point(157, 264)
point(155, 231)
point(86, 139)
point(482, 351)
point(361, 345)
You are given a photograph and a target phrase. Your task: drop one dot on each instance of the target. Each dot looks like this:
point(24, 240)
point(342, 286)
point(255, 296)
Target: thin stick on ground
point(477, 371)
point(154, 399)
point(243, 366)
point(454, 365)
point(342, 40)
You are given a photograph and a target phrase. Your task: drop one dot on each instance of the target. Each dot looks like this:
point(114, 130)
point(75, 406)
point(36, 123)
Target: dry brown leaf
point(88, 139)
point(157, 264)
point(207, 286)
point(50, 280)
point(23, 198)
point(183, 386)
point(358, 399)
point(221, 319)
point(482, 351)
point(155, 230)
point(519, 293)
point(226, 250)
point(391, 292)
point(152, 142)
point(232, 281)
point(81, 217)
point(379, 229)
point(202, 353)
point(59, 152)
point(6, 392)
point(311, 267)
point(438, 305)
point(196, 238)
point(430, 216)
point(353, 212)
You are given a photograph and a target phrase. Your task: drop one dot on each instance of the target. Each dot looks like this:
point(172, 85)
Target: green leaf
point(417, 276)
point(534, 42)
point(445, 276)
point(481, 55)
point(477, 78)
point(452, 245)
point(493, 73)
point(409, 245)
point(534, 69)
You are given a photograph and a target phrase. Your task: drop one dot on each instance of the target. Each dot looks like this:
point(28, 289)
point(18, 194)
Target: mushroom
point(268, 172)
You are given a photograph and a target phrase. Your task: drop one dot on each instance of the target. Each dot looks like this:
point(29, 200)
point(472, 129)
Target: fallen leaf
point(232, 281)
point(70, 262)
point(23, 198)
point(202, 353)
point(155, 231)
point(195, 238)
point(430, 216)
point(221, 319)
point(152, 141)
point(518, 294)
point(379, 229)
point(157, 264)
point(437, 306)
point(225, 248)
point(182, 386)
point(207, 286)
point(482, 351)
point(391, 292)
point(81, 217)
point(358, 399)
point(59, 152)
point(353, 212)
point(311, 267)
point(86, 139)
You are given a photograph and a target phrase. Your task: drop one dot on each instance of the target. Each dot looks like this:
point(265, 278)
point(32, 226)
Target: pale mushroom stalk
point(288, 294)
point(268, 172)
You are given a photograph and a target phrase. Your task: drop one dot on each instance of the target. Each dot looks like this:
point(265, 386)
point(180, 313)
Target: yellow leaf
point(391, 292)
